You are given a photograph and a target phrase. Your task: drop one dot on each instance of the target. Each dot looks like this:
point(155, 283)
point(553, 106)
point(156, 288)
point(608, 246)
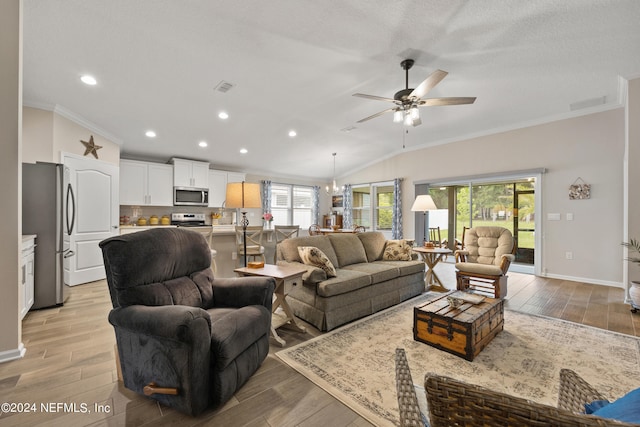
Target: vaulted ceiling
point(294, 65)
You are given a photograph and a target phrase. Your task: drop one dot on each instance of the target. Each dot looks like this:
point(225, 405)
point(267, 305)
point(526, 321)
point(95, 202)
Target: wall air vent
point(224, 87)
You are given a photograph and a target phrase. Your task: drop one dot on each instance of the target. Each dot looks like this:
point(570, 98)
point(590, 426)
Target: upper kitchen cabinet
point(189, 173)
point(217, 188)
point(235, 177)
point(145, 184)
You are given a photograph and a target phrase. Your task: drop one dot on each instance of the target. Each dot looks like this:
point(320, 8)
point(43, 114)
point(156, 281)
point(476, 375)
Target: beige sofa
point(364, 282)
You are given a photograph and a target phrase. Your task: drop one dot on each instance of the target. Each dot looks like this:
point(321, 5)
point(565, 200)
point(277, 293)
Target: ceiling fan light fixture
point(408, 121)
point(414, 112)
point(397, 115)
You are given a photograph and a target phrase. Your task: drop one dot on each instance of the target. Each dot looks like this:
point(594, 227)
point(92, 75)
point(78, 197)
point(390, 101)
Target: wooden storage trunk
point(463, 331)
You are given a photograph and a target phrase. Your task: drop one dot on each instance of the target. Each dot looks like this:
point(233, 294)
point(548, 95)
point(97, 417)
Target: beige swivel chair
point(283, 232)
point(483, 263)
point(207, 232)
point(255, 249)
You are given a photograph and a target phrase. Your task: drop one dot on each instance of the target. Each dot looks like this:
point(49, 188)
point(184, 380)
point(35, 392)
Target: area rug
point(355, 363)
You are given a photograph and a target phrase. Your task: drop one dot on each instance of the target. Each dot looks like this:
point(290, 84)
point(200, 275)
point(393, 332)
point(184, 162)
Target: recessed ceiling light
point(89, 80)
point(202, 144)
point(243, 151)
point(292, 133)
point(223, 115)
point(150, 134)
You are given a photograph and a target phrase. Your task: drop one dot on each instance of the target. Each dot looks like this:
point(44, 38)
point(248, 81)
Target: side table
point(286, 277)
point(431, 257)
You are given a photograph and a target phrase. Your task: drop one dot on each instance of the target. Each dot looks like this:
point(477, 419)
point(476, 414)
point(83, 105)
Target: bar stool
point(207, 232)
point(254, 242)
point(283, 232)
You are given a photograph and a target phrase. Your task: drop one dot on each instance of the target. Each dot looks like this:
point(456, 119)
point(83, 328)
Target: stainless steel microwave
point(188, 196)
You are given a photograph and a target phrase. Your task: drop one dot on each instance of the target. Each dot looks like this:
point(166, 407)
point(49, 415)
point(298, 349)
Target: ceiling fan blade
point(376, 115)
point(437, 102)
point(376, 98)
point(429, 83)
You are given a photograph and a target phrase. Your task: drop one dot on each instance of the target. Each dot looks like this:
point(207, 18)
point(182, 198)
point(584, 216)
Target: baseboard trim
point(585, 280)
point(7, 355)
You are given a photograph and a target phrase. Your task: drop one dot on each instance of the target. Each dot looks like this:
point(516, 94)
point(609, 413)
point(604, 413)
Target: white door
point(92, 214)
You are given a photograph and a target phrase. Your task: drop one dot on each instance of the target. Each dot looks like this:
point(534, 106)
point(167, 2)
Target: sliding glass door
point(509, 204)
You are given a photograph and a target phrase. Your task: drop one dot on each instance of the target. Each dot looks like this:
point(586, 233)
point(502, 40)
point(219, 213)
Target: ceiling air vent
point(224, 87)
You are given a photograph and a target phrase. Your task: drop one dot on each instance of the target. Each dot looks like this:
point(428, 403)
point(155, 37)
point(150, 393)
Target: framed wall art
point(579, 190)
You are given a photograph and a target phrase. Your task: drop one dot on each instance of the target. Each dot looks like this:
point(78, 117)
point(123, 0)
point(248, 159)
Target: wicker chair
point(455, 403)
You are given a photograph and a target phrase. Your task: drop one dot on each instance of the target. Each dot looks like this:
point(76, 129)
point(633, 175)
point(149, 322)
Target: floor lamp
point(424, 203)
point(243, 196)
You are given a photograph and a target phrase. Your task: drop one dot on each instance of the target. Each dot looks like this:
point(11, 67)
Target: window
point(372, 206)
point(291, 204)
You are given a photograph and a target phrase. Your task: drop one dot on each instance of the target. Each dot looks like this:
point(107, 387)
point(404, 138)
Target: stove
point(187, 219)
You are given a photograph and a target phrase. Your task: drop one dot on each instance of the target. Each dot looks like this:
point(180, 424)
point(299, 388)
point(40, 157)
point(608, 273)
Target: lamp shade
point(423, 203)
point(243, 195)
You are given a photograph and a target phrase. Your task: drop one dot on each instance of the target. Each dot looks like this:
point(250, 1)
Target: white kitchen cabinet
point(145, 183)
point(28, 276)
point(217, 188)
point(189, 173)
point(235, 177)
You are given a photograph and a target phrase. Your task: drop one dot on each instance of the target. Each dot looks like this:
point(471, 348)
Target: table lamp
point(243, 196)
point(424, 203)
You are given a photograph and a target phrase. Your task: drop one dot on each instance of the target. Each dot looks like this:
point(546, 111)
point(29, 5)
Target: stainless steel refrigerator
point(48, 212)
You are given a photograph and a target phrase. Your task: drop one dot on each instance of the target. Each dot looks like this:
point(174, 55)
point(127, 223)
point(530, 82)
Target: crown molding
point(76, 118)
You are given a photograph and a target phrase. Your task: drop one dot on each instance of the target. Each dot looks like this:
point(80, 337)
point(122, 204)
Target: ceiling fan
point(408, 100)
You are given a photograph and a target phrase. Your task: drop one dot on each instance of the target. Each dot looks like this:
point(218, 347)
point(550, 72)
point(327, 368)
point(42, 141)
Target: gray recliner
point(183, 338)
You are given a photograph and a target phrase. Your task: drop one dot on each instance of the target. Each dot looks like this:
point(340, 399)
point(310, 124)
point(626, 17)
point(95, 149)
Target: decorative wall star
point(91, 147)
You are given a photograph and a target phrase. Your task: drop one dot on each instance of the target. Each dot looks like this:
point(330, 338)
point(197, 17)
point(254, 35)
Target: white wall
point(10, 176)
point(633, 184)
point(590, 147)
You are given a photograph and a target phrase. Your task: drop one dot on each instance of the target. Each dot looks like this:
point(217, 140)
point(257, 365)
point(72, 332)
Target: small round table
point(431, 257)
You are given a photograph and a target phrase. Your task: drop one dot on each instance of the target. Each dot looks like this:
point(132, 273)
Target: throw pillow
point(397, 250)
point(311, 255)
point(627, 408)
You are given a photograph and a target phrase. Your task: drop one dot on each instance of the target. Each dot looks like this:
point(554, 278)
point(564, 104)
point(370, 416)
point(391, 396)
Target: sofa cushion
point(311, 255)
point(349, 249)
point(378, 272)
point(374, 243)
point(345, 281)
point(289, 248)
point(397, 250)
point(405, 268)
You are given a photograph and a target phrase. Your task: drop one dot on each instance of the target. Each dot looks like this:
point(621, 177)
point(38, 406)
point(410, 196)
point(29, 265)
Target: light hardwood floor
point(70, 359)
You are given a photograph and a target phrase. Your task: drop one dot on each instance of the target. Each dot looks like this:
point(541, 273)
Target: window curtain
point(315, 205)
point(396, 219)
point(347, 203)
point(266, 196)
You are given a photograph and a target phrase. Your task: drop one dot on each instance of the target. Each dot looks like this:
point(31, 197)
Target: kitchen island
point(224, 242)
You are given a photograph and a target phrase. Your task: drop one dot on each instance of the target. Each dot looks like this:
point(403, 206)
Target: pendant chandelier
point(335, 189)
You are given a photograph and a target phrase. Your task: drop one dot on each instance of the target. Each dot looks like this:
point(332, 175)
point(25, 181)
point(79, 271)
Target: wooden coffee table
point(463, 331)
point(286, 277)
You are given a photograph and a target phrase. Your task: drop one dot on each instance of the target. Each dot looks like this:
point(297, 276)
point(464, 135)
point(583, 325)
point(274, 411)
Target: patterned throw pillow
point(311, 255)
point(397, 250)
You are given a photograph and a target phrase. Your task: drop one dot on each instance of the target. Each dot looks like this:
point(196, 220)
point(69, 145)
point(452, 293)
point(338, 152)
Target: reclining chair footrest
point(152, 388)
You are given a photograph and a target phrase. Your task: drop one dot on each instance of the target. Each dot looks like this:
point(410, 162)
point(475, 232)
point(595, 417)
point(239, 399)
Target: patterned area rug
point(355, 363)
